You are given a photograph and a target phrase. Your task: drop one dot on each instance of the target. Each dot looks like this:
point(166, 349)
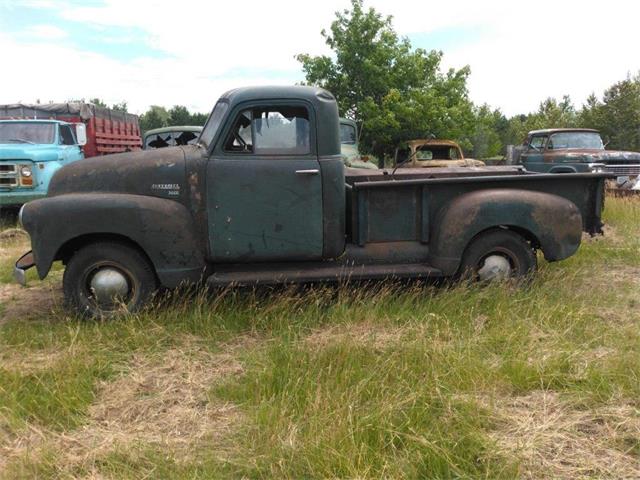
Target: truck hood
point(596, 156)
point(159, 173)
point(25, 151)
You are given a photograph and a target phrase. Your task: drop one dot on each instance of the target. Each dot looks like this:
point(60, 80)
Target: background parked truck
point(571, 150)
point(37, 140)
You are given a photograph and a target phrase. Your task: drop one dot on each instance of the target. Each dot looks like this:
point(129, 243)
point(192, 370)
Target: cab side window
point(537, 142)
point(66, 137)
point(272, 130)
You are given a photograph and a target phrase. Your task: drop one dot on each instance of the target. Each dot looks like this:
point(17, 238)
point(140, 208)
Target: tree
point(120, 107)
point(155, 117)
point(179, 115)
point(618, 115)
point(98, 102)
point(394, 92)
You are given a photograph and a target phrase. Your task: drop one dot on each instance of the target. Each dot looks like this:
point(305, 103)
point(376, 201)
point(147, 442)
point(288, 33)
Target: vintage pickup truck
point(264, 197)
point(570, 150)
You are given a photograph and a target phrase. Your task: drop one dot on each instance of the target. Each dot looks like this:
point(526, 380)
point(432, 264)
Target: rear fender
point(551, 222)
point(162, 228)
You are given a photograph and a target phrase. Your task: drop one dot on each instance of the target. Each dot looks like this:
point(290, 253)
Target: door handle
point(312, 171)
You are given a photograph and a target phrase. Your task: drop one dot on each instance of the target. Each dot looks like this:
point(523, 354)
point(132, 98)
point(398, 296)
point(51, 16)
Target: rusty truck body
point(433, 153)
point(264, 197)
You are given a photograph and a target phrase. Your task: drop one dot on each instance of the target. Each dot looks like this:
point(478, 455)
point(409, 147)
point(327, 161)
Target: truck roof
point(433, 141)
point(32, 120)
point(53, 110)
point(298, 92)
point(556, 130)
point(181, 128)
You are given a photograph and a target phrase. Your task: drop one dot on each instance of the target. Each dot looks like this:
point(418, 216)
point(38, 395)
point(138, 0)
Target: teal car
point(31, 151)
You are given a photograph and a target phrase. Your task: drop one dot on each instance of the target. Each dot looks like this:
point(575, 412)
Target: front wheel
point(498, 255)
point(103, 279)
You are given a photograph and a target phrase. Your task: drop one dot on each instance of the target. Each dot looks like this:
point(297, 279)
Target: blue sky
point(189, 52)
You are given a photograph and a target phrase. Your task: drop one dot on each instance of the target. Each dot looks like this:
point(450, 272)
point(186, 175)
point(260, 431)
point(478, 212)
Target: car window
point(274, 130)
point(537, 142)
point(347, 134)
point(159, 140)
point(66, 137)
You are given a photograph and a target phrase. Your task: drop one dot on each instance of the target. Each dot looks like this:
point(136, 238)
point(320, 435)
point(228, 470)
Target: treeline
point(397, 93)
point(158, 117)
point(616, 115)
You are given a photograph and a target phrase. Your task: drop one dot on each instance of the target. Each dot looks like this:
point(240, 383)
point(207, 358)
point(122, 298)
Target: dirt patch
point(555, 440)
point(162, 400)
point(17, 302)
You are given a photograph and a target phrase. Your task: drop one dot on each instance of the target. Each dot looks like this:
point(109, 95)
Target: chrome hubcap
point(495, 267)
point(109, 284)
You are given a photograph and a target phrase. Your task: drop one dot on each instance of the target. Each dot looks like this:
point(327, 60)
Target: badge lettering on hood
point(172, 189)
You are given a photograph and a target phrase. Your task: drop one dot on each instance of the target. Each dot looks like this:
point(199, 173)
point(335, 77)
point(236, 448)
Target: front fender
point(555, 223)
point(163, 229)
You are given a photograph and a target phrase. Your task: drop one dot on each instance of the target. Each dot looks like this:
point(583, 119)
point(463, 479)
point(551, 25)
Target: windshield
point(347, 134)
point(590, 140)
point(168, 139)
point(213, 123)
point(27, 132)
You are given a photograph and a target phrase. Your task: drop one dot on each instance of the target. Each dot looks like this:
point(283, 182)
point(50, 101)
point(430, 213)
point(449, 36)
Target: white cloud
point(525, 53)
point(45, 32)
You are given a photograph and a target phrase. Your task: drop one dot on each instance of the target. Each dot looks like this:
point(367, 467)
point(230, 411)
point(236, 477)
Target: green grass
point(368, 381)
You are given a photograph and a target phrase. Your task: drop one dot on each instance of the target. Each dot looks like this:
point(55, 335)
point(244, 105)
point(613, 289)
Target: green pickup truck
point(264, 197)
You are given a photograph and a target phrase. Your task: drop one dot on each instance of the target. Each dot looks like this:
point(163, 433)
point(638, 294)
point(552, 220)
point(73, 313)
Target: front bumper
point(16, 198)
point(24, 263)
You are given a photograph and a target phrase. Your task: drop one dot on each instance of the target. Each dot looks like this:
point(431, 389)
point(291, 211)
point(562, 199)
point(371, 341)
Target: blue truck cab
point(31, 151)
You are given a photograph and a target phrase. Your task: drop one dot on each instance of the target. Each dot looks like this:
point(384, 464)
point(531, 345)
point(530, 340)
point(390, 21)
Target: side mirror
point(81, 134)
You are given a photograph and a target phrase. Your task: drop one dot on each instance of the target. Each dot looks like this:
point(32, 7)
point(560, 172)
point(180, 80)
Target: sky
point(188, 52)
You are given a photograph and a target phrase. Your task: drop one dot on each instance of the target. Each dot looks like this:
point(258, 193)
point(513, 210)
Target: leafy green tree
point(489, 133)
point(393, 91)
point(120, 107)
point(98, 102)
point(179, 115)
point(198, 118)
point(617, 116)
point(155, 117)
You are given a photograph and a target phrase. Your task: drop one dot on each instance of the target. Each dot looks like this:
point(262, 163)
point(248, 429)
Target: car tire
point(498, 255)
point(105, 279)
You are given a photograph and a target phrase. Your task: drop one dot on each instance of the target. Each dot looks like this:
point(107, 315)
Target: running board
point(257, 274)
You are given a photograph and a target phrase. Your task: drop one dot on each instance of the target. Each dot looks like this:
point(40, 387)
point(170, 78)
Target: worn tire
point(502, 243)
point(130, 263)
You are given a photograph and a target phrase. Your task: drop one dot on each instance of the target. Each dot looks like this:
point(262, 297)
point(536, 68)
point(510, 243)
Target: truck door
point(533, 157)
point(70, 149)
point(264, 190)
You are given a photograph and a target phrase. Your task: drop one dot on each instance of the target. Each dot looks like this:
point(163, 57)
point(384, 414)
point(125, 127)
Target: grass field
point(382, 380)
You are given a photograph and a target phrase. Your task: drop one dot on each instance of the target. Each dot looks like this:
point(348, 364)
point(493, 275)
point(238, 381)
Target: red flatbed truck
point(108, 131)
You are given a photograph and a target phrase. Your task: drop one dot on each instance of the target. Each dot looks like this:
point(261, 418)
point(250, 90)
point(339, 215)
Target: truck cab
point(31, 151)
point(264, 197)
point(433, 153)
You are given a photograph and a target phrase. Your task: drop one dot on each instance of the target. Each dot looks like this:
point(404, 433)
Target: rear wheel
point(104, 279)
point(498, 255)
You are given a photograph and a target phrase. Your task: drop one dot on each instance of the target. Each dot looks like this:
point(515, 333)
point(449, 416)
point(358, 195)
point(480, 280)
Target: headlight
point(25, 171)
point(597, 167)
